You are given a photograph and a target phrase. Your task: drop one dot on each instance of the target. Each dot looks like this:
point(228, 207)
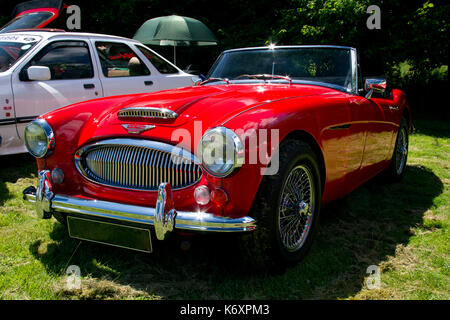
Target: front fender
point(262, 130)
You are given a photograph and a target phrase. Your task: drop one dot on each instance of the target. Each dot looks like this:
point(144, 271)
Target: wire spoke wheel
point(402, 150)
point(296, 208)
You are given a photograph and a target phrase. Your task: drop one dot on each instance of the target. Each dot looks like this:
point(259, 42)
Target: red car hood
point(211, 104)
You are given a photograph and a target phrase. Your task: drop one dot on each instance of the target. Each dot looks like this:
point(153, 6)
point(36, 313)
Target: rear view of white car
point(44, 70)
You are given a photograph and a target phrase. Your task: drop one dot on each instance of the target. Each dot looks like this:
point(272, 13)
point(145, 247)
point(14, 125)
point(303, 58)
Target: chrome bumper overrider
point(163, 217)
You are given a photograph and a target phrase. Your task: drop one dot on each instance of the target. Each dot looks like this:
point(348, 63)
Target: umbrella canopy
point(175, 31)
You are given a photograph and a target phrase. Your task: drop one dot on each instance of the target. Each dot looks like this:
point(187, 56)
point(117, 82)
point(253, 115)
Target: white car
point(44, 70)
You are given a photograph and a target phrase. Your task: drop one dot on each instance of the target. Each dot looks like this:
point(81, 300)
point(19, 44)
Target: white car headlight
point(39, 138)
point(221, 151)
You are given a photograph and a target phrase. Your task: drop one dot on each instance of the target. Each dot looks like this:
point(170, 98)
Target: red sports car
point(255, 149)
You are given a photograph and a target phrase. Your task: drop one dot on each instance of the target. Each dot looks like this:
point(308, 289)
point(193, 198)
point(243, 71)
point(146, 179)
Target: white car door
point(121, 70)
point(74, 79)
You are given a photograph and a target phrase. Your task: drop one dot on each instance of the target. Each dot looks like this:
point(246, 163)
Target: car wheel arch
point(407, 115)
point(306, 137)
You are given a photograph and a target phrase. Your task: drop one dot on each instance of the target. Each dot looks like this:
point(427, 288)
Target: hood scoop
point(147, 113)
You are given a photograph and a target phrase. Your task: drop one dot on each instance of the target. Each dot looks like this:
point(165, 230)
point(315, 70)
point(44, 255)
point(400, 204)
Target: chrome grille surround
point(137, 164)
point(147, 113)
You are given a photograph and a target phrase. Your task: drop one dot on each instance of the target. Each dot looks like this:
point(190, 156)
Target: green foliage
point(413, 35)
point(323, 21)
point(413, 32)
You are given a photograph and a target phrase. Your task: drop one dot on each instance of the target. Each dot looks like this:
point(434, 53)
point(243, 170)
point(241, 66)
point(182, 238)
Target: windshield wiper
point(214, 79)
point(264, 77)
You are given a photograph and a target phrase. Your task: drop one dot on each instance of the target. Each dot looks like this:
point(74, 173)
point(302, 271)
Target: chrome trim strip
point(202, 221)
point(354, 61)
point(189, 221)
point(4, 122)
point(103, 209)
point(289, 47)
point(147, 112)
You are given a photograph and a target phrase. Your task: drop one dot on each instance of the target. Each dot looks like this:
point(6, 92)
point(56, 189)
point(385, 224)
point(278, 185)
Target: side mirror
point(39, 73)
point(375, 86)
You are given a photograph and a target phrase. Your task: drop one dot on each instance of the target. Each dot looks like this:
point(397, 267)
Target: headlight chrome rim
point(49, 134)
point(239, 150)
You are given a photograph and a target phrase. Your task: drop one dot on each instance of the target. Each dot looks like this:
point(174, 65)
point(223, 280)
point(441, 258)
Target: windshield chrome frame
point(353, 57)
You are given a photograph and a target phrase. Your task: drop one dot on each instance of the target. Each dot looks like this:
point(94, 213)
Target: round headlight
point(221, 151)
point(39, 138)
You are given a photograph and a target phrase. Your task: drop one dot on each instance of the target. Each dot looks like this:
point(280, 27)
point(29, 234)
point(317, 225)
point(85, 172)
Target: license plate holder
point(113, 234)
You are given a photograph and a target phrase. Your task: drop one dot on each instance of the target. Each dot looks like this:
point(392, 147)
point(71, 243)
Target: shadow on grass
point(13, 168)
point(359, 230)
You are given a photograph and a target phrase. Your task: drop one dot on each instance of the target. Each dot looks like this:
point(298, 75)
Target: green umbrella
point(175, 31)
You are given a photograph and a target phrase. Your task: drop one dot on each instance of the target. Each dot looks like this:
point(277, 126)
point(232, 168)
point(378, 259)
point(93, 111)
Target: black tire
point(61, 218)
point(397, 167)
point(264, 248)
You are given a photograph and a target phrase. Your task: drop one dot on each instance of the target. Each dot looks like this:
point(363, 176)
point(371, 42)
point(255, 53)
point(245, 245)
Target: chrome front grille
point(147, 112)
point(137, 164)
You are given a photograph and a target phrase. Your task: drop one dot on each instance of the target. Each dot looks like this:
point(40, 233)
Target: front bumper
point(164, 218)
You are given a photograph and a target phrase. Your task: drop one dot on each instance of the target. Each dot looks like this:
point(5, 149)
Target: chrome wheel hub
point(303, 208)
point(296, 208)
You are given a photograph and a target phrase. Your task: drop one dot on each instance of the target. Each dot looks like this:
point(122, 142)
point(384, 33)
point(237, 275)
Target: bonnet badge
point(137, 128)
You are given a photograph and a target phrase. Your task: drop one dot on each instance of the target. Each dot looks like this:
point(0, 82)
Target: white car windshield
point(326, 65)
point(13, 47)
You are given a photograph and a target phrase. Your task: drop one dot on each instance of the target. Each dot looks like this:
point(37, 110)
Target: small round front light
point(221, 151)
point(57, 175)
point(219, 197)
point(39, 138)
point(201, 195)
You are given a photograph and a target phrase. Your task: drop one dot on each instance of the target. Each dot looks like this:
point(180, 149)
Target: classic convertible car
point(255, 149)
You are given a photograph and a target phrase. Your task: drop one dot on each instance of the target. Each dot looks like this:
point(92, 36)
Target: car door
point(73, 79)
point(335, 122)
point(386, 126)
point(371, 128)
point(121, 69)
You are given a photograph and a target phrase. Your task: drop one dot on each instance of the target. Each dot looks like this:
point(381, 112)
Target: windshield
point(328, 65)
point(28, 20)
point(12, 47)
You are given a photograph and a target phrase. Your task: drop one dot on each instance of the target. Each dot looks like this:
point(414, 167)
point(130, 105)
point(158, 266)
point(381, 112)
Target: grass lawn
point(402, 228)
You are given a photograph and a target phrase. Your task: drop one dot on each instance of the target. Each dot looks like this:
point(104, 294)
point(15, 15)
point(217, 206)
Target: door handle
point(148, 83)
point(89, 86)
